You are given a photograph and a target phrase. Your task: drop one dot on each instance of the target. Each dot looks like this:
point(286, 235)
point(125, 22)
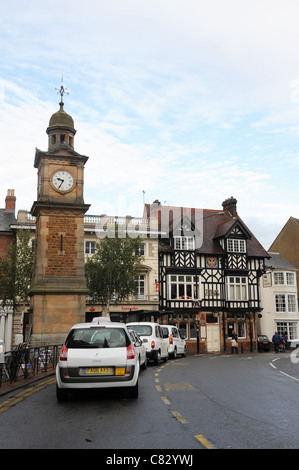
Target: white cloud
point(191, 101)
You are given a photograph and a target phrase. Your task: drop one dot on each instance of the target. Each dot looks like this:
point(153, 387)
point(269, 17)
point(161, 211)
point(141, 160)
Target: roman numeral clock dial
point(63, 181)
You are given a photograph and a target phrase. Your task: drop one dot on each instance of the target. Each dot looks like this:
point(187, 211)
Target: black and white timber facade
point(209, 270)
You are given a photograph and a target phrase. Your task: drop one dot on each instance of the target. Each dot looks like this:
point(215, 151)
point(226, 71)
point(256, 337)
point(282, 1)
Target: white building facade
point(279, 299)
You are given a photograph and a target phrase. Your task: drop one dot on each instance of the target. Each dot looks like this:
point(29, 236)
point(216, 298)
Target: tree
point(16, 270)
point(113, 270)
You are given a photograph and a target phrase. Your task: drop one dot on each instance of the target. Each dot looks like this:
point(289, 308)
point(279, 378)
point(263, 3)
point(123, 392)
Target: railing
point(111, 220)
point(24, 362)
point(97, 219)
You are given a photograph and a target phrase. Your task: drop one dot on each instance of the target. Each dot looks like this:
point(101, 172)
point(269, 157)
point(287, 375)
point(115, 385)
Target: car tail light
point(130, 352)
point(153, 344)
point(170, 339)
point(63, 354)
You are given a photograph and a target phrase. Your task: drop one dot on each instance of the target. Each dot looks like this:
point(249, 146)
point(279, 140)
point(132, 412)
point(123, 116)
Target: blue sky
point(185, 101)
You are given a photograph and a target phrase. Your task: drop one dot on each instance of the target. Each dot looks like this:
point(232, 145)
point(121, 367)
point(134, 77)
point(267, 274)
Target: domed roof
point(61, 119)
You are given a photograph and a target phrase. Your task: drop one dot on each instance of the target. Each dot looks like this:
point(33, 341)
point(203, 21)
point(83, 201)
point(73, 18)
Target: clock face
point(63, 180)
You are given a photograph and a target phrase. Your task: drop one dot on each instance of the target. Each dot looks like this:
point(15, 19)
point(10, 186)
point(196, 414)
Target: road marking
point(183, 386)
point(291, 377)
point(204, 441)
point(179, 417)
point(179, 363)
point(158, 388)
point(284, 373)
point(166, 401)
point(21, 396)
point(157, 380)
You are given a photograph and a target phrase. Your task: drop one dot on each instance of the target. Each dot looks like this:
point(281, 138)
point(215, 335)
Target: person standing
point(276, 341)
point(234, 343)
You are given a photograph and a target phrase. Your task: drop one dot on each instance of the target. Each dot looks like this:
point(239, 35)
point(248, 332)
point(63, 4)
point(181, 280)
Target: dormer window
point(184, 243)
point(53, 139)
point(236, 246)
point(62, 138)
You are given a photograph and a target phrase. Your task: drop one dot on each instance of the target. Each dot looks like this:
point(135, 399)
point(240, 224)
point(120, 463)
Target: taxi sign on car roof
point(100, 319)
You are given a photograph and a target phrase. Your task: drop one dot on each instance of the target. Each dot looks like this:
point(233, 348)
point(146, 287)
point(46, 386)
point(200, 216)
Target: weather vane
point(62, 90)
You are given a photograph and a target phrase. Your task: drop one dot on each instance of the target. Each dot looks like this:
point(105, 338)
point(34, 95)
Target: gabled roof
point(213, 225)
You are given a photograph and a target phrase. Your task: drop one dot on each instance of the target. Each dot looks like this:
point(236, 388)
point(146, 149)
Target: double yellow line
point(176, 414)
point(4, 406)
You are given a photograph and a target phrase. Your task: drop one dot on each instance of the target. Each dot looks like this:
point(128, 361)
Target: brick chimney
point(230, 205)
point(10, 200)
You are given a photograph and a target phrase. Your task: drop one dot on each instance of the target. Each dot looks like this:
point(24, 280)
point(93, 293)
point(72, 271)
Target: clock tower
point(58, 289)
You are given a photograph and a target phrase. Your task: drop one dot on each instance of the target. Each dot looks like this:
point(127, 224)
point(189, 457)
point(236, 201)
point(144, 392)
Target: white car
point(139, 348)
point(97, 355)
point(152, 337)
point(176, 344)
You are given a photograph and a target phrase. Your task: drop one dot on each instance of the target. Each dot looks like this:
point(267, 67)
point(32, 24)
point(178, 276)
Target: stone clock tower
point(59, 287)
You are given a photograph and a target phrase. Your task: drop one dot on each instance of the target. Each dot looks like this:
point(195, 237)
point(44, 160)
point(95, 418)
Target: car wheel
point(133, 391)
point(157, 358)
point(144, 365)
point(174, 354)
point(185, 352)
point(61, 394)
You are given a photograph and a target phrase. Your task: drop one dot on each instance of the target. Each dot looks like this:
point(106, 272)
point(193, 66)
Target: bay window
point(284, 278)
point(285, 303)
point(182, 287)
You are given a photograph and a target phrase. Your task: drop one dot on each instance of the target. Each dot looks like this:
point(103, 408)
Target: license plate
point(97, 370)
point(265, 342)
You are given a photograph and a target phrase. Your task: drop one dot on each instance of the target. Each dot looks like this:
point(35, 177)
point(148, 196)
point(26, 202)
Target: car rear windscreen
point(142, 330)
point(101, 337)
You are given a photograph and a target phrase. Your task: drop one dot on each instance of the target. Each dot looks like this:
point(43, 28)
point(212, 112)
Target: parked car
point(97, 355)
point(139, 348)
point(263, 343)
point(176, 344)
point(152, 337)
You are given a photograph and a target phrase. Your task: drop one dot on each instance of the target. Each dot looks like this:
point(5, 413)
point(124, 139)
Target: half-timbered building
point(210, 264)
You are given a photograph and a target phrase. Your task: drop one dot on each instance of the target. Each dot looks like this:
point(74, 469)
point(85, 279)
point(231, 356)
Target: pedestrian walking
point(276, 339)
point(234, 343)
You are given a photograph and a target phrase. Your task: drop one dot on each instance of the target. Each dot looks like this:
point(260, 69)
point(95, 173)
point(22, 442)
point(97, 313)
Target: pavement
point(9, 387)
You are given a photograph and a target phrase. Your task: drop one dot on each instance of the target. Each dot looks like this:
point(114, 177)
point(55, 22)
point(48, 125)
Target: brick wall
point(61, 242)
point(5, 242)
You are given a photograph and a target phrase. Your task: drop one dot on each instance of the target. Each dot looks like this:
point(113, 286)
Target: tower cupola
point(61, 129)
